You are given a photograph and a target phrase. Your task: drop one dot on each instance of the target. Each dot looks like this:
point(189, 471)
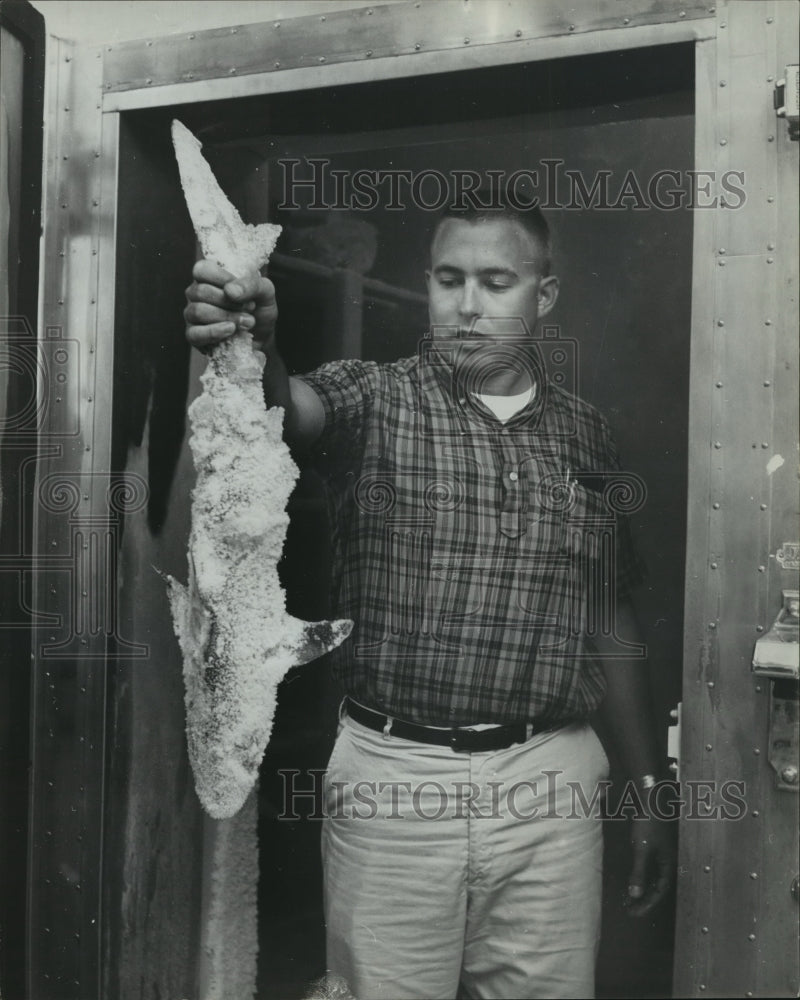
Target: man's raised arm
point(217, 306)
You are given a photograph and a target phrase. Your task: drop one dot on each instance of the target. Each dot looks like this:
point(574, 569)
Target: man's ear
point(548, 293)
point(428, 279)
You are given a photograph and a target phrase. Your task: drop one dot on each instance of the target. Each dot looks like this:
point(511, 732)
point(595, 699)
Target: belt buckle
point(457, 743)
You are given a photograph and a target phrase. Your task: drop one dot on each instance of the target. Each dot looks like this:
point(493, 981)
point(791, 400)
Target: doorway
point(606, 143)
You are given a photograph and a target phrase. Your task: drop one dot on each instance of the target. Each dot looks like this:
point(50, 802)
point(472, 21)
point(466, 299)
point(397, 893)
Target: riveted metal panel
point(746, 127)
point(737, 925)
point(364, 70)
point(73, 523)
point(371, 33)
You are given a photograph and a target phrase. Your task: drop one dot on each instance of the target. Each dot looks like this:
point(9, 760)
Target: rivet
point(762, 569)
point(369, 10)
point(759, 628)
point(769, 20)
point(466, 41)
point(67, 58)
point(277, 24)
point(718, 385)
point(722, 83)
point(369, 53)
point(682, 14)
point(713, 565)
point(770, 246)
point(722, 250)
point(518, 33)
point(754, 875)
point(322, 18)
point(770, 138)
point(95, 202)
point(723, 142)
point(723, 24)
point(756, 751)
point(718, 445)
point(626, 20)
point(765, 444)
point(61, 302)
point(710, 684)
point(770, 260)
point(149, 44)
point(712, 625)
point(66, 108)
point(709, 747)
point(232, 70)
point(756, 813)
point(706, 868)
point(763, 506)
point(277, 64)
point(704, 930)
point(770, 79)
point(572, 27)
point(770, 198)
point(417, 46)
point(97, 154)
point(234, 31)
point(191, 37)
point(321, 59)
point(749, 993)
point(88, 399)
point(767, 322)
point(715, 506)
point(190, 76)
point(767, 383)
point(58, 400)
point(87, 448)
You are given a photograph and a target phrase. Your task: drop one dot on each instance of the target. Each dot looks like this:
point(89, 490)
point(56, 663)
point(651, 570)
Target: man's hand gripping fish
point(235, 635)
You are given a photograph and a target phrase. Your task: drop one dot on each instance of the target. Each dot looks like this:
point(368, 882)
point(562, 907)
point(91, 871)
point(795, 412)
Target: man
point(466, 493)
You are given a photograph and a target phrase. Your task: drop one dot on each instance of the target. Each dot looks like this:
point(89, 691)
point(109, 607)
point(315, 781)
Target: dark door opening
point(609, 139)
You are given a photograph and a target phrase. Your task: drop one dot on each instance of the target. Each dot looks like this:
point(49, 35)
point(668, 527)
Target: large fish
point(236, 637)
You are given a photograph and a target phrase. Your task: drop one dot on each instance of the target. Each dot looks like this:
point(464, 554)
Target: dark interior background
point(624, 309)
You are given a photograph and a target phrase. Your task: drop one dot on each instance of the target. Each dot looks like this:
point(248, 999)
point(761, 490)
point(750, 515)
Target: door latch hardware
point(786, 100)
point(776, 657)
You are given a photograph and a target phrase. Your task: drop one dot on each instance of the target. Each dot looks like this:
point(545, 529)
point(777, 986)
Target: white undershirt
point(504, 407)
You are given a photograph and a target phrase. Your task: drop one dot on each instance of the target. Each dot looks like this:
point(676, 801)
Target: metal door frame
point(90, 89)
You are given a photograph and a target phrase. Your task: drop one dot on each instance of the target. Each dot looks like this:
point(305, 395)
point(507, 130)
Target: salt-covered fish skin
point(235, 635)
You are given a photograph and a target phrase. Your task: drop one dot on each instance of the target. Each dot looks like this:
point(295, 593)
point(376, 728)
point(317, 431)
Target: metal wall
point(738, 921)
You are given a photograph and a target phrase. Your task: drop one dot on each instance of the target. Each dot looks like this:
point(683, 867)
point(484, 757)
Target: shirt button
point(513, 476)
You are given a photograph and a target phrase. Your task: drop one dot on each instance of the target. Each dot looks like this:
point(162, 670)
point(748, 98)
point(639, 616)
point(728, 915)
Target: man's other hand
point(218, 304)
point(653, 866)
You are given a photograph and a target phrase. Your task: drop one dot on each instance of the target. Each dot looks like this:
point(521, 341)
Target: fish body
point(236, 637)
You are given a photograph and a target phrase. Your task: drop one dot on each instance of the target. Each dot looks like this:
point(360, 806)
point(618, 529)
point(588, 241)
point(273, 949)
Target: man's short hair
point(493, 203)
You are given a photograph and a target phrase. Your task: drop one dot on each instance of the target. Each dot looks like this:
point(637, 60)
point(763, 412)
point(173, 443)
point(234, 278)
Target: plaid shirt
point(474, 557)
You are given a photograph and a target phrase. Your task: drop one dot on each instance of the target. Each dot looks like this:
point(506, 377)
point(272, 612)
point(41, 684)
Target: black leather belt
point(463, 740)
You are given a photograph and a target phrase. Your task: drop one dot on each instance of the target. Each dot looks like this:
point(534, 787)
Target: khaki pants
point(447, 872)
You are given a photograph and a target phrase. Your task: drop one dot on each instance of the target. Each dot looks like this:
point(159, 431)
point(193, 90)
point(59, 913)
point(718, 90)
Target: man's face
point(485, 277)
